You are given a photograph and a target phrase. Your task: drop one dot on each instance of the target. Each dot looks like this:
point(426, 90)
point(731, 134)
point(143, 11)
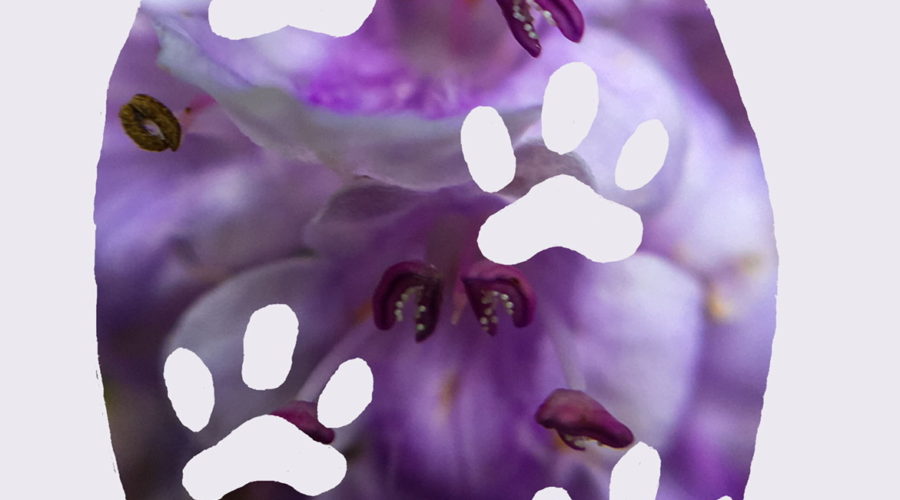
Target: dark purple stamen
point(402, 282)
point(575, 416)
point(491, 287)
point(563, 14)
point(305, 416)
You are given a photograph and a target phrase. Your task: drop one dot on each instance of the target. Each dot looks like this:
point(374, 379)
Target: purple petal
point(402, 149)
point(633, 88)
point(452, 417)
point(178, 222)
point(214, 327)
point(640, 365)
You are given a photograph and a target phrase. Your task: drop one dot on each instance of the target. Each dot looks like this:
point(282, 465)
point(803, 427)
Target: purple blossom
point(327, 174)
point(454, 414)
point(171, 225)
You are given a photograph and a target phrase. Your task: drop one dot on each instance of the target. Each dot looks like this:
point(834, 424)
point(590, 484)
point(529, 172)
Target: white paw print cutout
point(600, 229)
point(237, 19)
point(267, 447)
point(634, 477)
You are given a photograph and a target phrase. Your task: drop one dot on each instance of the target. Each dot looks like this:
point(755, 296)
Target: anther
point(150, 124)
point(490, 286)
point(577, 417)
point(402, 282)
point(563, 14)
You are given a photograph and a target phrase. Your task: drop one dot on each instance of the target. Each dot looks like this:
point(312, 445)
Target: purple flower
point(388, 101)
point(453, 415)
point(171, 225)
point(327, 174)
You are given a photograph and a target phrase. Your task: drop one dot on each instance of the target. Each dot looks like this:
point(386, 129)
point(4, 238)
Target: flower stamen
point(491, 287)
point(563, 14)
point(150, 124)
point(401, 283)
point(578, 418)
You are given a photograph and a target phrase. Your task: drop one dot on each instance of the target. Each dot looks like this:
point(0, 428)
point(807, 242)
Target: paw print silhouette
point(634, 477)
point(532, 223)
point(612, 231)
point(238, 19)
point(289, 446)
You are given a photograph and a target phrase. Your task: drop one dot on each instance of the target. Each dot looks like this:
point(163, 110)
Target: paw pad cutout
point(236, 19)
point(561, 211)
point(552, 493)
point(267, 447)
point(190, 387)
point(537, 221)
point(642, 155)
point(268, 343)
point(346, 395)
point(570, 107)
point(488, 149)
point(634, 477)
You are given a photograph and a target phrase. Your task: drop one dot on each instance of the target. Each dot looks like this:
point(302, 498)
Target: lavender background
point(818, 99)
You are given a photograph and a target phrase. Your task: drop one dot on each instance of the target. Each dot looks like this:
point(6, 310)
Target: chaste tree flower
point(326, 174)
point(173, 224)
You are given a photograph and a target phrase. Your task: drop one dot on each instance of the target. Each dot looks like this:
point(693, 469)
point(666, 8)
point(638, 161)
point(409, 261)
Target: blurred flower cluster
point(327, 174)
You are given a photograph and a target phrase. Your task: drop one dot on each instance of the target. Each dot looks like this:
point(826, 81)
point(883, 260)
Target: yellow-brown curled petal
point(150, 124)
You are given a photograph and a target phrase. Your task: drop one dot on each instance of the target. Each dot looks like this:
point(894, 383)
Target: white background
point(820, 81)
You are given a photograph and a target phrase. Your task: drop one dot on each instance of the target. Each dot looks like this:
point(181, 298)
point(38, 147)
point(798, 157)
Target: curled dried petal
point(575, 416)
point(150, 124)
